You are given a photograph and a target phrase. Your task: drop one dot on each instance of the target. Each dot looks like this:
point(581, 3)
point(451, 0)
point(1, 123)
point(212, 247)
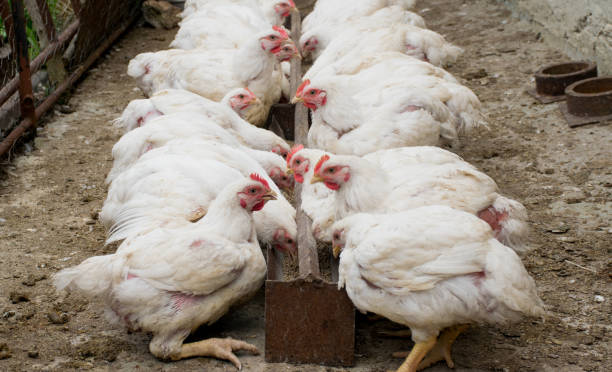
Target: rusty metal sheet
point(309, 321)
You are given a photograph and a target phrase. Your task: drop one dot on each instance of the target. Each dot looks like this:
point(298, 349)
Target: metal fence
point(45, 47)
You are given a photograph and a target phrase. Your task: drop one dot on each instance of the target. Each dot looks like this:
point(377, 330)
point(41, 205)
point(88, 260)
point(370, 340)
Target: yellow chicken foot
point(442, 349)
point(417, 354)
point(220, 348)
point(196, 214)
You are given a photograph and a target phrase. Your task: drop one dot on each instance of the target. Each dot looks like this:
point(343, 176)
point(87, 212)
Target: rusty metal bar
point(26, 96)
point(51, 99)
point(50, 51)
point(47, 20)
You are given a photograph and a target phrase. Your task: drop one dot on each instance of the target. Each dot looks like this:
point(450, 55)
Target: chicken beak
point(270, 195)
point(290, 171)
point(316, 178)
point(336, 251)
point(297, 99)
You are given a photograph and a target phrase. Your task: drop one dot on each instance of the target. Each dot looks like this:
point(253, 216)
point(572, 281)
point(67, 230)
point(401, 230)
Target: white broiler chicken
point(171, 281)
point(361, 113)
point(185, 125)
point(241, 101)
point(436, 270)
point(420, 43)
point(330, 12)
point(314, 41)
point(212, 74)
point(220, 27)
point(405, 178)
point(172, 186)
point(273, 11)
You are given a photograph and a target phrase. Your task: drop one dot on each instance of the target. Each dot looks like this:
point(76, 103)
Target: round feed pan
point(590, 97)
point(552, 80)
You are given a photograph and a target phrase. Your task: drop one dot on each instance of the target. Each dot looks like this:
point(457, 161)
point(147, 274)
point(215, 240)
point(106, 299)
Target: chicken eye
point(272, 37)
point(312, 92)
point(336, 236)
point(241, 96)
point(308, 42)
point(253, 190)
point(331, 170)
point(284, 178)
point(290, 241)
point(298, 162)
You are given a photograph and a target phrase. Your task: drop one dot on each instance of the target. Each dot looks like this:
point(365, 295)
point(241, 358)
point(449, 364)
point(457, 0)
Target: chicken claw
point(417, 354)
point(442, 349)
point(220, 348)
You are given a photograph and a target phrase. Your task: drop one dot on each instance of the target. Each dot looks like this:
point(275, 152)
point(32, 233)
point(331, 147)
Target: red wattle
point(332, 185)
point(298, 178)
point(259, 206)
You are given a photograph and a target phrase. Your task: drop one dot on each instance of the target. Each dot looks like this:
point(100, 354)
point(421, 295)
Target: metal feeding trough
point(552, 80)
point(588, 101)
point(308, 320)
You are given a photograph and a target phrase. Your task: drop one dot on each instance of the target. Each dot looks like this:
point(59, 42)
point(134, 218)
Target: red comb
point(282, 31)
point(323, 159)
point(300, 89)
point(294, 149)
point(258, 178)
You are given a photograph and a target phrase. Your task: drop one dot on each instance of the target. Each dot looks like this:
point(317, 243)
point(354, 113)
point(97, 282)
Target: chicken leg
point(417, 354)
point(442, 349)
point(220, 348)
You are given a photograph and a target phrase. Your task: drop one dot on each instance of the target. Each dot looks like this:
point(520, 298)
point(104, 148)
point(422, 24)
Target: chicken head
point(297, 163)
point(284, 242)
point(241, 99)
point(287, 51)
point(256, 194)
point(273, 40)
point(311, 97)
point(338, 242)
point(281, 179)
point(331, 173)
point(309, 45)
point(283, 8)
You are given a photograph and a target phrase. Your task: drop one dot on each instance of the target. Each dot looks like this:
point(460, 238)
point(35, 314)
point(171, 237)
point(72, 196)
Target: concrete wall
point(581, 28)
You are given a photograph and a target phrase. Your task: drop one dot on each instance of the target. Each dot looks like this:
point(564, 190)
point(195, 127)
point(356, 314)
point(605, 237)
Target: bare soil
point(49, 198)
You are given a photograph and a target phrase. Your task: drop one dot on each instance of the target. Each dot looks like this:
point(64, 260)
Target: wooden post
point(307, 245)
point(26, 97)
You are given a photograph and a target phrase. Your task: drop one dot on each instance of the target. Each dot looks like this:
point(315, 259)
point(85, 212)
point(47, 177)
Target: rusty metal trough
point(308, 320)
point(588, 101)
point(552, 80)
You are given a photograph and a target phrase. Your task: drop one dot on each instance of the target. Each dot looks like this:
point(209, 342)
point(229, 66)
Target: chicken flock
point(424, 238)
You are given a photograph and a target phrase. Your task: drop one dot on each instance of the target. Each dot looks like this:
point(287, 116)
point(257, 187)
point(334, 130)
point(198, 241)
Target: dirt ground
point(50, 195)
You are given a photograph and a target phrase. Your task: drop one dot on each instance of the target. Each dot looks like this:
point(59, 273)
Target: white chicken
point(420, 43)
point(327, 12)
point(432, 269)
point(241, 101)
point(171, 281)
point(185, 125)
point(314, 41)
point(171, 101)
point(212, 74)
point(406, 178)
point(175, 184)
point(418, 104)
point(273, 11)
point(208, 28)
